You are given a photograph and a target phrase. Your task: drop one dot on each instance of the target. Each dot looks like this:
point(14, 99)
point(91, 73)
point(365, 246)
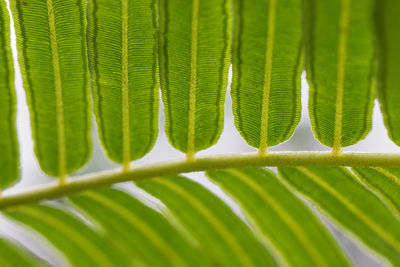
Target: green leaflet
point(81, 245)
point(388, 22)
point(267, 64)
point(385, 181)
point(52, 54)
point(12, 255)
point(337, 192)
point(194, 48)
point(138, 230)
point(221, 234)
point(123, 65)
point(340, 68)
point(281, 217)
point(9, 159)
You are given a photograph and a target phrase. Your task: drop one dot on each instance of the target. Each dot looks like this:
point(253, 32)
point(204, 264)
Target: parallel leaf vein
point(126, 143)
point(341, 67)
point(267, 77)
point(193, 80)
point(61, 142)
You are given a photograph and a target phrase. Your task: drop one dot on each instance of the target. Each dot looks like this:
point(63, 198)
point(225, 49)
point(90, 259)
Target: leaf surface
point(9, 159)
point(340, 69)
point(281, 217)
point(124, 75)
point(341, 196)
point(79, 243)
point(138, 230)
point(385, 181)
point(194, 48)
point(12, 255)
point(387, 23)
point(52, 56)
point(267, 64)
point(221, 234)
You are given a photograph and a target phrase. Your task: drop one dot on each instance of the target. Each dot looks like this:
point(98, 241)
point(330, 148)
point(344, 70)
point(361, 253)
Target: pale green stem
point(275, 159)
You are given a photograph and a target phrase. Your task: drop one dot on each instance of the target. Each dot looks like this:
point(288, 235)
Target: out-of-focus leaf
point(341, 196)
point(385, 181)
point(138, 230)
point(281, 217)
point(221, 234)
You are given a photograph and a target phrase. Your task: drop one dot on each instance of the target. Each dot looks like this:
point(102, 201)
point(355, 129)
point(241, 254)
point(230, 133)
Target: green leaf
point(77, 241)
point(339, 194)
point(12, 255)
point(124, 75)
point(9, 163)
point(385, 181)
point(267, 64)
point(221, 234)
point(52, 55)
point(281, 217)
point(388, 21)
point(139, 230)
point(340, 69)
point(194, 61)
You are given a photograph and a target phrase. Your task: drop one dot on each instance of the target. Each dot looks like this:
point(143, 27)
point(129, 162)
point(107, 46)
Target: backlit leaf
point(52, 55)
point(267, 63)
point(281, 217)
point(340, 69)
point(9, 169)
point(124, 76)
point(341, 196)
point(221, 234)
point(388, 23)
point(194, 60)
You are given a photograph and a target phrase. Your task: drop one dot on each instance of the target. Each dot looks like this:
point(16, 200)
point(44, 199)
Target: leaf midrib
point(341, 67)
point(61, 143)
point(126, 142)
point(191, 146)
point(269, 51)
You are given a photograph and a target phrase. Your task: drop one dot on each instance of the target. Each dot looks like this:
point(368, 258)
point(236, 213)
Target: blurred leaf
point(340, 195)
point(281, 217)
point(221, 234)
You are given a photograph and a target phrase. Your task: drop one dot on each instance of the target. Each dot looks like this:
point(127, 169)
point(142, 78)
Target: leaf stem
point(96, 180)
